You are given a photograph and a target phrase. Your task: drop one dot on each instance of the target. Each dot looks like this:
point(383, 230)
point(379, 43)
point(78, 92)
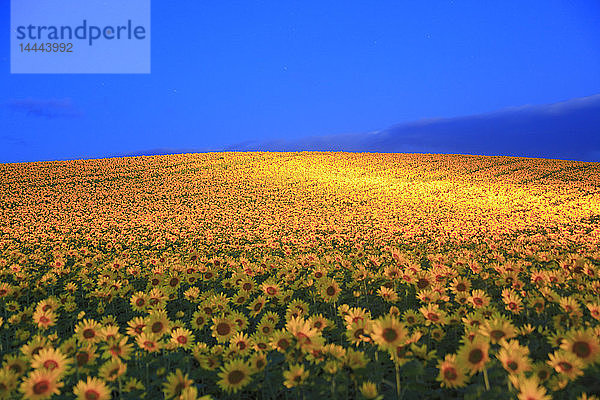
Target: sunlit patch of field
point(296, 275)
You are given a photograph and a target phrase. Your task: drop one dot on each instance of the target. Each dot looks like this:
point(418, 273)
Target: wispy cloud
point(567, 130)
point(13, 140)
point(44, 108)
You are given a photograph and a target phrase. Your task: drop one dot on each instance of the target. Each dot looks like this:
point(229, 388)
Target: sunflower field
point(300, 276)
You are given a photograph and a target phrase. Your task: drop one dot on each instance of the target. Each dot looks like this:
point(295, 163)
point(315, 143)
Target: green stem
point(333, 388)
point(397, 380)
point(485, 378)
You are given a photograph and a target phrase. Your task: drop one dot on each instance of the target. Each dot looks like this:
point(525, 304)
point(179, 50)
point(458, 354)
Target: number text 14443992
point(46, 47)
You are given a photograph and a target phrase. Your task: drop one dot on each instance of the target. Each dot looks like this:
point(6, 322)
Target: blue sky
point(228, 72)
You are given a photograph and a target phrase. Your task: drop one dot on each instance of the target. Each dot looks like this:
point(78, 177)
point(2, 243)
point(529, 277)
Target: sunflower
point(584, 344)
point(265, 327)
point(537, 303)
point(117, 348)
point(514, 357)
point(334, 351)
point(258, 362)
point(139, 301)
point(387, 294)
point(270, 289)
point(526, 330)
point(234, 376)
point(594, 310)
point(87, 331)
point(208, 307)
point(451, 374)
point(259, 342)
point(247, 285)
point(530, 389)
point(294, 376)
point(172, 281)
point(175, 384)
point(343, 310)
point(478, 299)
point(307, 336)
point(298, 306)
point(92, 389)
point(69, 346)
point(85, 356)
point(133, 384)
point(332, 367)
point(556, 338)
point(209, 361)
point(355, 314)
point(433, 314)
point(34, 346)
point(460, 285)
point(473, 355)
point(427, 296)
point(49, 304)
point(182, 338)
point(512, 300)
point(437, 334)
point(355, 359)
point(12, 306)
point(423, 280)
point(199, 319)
point(369, 390)
point(8, 383)
point(585, 396)
point(112, 369)
point(209, 274)
point(570, 306)
point(14, 364)
point(408, 277)
point(136, 326)
point(240, 319)
point(542, 371)
point(240, 298)
point(109, 332)
point(462, 298)
point(5, 289)
point(40, 384)
point(566, 363)
point(256, 306)
point(388, 332)
point(281, 340)
point(497, 329)
point(44, 319)
point(472, 320)
point(223, 328)
point(411, 317)
point(157, 323)
point(192, 293)
point(356, 332)
point(330, 290)
point(319, 322)
point(51, 360)
point(286, 295)
point(241, 343)
point(149, 342)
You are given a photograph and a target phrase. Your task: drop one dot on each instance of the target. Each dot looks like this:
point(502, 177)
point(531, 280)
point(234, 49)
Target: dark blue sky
point(226, 72)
